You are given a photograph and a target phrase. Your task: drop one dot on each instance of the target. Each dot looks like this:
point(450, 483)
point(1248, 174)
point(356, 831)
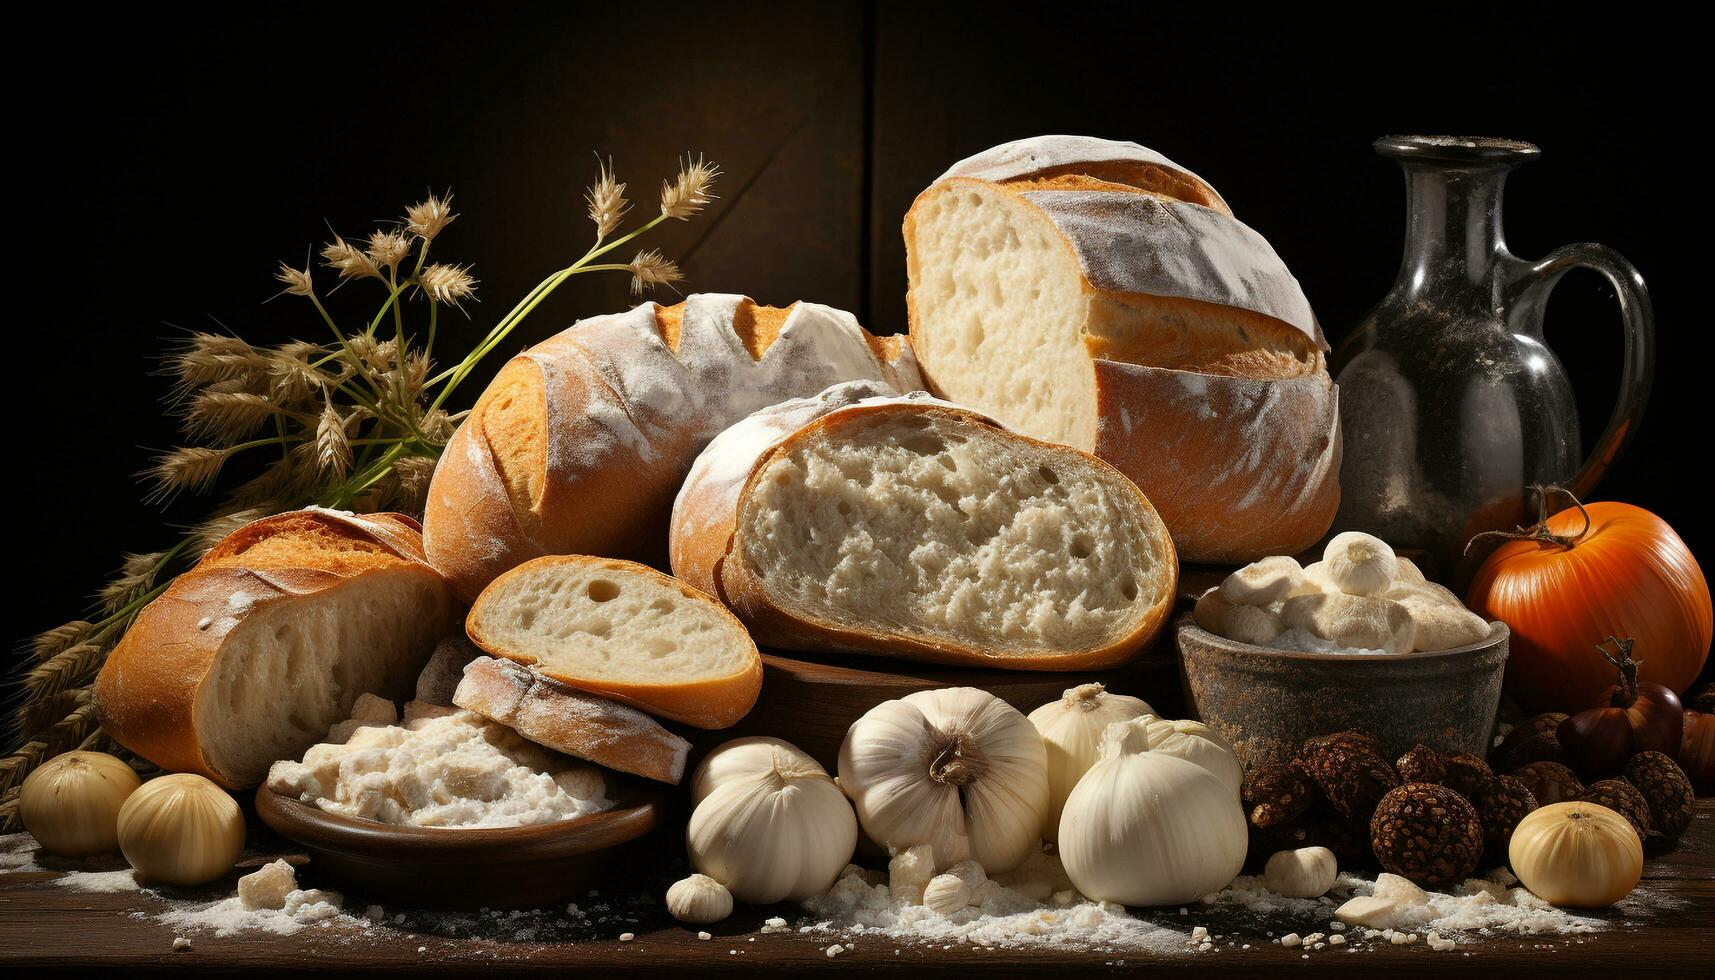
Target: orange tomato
point(1628, 575)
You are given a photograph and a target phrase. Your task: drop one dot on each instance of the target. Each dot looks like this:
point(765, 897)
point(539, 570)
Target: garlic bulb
point(181, 830)
point(1359, 563)
point(1148, 827)
point(1071, 730)
point(1196, 742)
point(1576, 854)
point(958, 769)
point(699, 900)
point(769, 824)
point(70, 804)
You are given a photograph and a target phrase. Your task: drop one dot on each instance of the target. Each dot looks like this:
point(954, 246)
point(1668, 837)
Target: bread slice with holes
point(1095, 293)
point(623, 631)
point(567, 720)
point(908, 526)
point(253, 654)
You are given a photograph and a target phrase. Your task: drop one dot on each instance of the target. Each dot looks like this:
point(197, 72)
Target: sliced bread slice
point(623, 631)
point(908, 526)
point(556, 716)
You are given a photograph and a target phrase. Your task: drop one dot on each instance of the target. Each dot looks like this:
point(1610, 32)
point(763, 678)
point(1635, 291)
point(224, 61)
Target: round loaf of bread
point(865, 522)
point(1095, 293)
point(252, 655)
point(580, 443)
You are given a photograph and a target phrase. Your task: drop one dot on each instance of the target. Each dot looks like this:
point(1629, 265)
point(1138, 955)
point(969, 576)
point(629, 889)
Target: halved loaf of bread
point(623, 631)
point(550, 713)
point(1095, 293)
point(252, 655)
point(580, 443)
point(908, 526)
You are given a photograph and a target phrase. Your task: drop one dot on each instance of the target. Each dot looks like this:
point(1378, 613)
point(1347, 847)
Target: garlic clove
point(1364, 622)
point(946, 894)
point(1441, 625)
point(1211, 610)
point(1263, 582)
point(1305, 872)
point(909, 872)
point(1360, 564)
point(181, 830)
point(1251, 624)
point(699, 900)
point(71, 803)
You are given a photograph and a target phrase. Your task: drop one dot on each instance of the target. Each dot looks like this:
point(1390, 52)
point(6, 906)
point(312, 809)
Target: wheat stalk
point(357, 421)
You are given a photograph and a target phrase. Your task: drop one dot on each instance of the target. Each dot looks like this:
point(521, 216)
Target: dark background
point(174, 155)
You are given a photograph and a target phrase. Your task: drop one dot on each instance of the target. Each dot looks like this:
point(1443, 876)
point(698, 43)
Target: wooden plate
point(457, 868)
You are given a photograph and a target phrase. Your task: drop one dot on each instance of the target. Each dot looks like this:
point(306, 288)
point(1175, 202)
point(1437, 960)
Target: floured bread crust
point(1096, 294)
point(581, 442)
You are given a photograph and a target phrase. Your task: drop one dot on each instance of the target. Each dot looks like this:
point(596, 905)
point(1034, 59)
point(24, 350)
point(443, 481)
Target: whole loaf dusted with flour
point(580, 443)
point(1095, 293)
point(253, 654)
point(903, 525)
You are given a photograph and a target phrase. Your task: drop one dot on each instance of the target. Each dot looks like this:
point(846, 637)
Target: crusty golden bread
point(622, 631)
point(250, 656)
point(567, 720)
point(1095, 293)
point(580, 443)
point(859, 521)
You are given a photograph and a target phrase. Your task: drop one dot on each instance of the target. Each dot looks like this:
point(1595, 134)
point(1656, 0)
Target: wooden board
point(1665, 928)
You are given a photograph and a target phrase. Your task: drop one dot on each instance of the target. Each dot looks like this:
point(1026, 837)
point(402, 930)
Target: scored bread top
point(581, 441)
point(1088, 160)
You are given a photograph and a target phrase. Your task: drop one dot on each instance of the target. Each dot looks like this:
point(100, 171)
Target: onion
point(1589, 572)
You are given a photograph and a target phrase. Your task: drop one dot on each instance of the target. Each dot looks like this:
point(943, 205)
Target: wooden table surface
point(1667, 926)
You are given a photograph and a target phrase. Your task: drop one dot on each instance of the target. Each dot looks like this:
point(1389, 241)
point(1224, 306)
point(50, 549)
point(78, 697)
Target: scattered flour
point(1479, 906)
point(1032, 906)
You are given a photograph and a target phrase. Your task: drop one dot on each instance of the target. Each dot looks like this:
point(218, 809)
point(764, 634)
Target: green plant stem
point(518, 314)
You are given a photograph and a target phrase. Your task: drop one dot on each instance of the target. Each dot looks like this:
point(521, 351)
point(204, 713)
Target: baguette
point(1095, 293)
point(253, 654)
point(580, 443)
point(908, 526)
point(556, 716)
point(622, 631)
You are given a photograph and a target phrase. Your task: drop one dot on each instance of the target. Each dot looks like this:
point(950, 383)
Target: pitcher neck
point(1453, 232)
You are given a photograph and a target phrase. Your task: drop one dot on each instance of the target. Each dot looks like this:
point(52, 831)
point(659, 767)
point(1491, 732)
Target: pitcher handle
point(1638, 319)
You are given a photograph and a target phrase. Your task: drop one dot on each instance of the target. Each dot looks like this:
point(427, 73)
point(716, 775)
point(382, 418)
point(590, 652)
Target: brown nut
point(1665, 788)
point(1426, 833)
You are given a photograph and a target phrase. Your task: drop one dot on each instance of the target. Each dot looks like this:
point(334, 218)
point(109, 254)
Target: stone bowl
point(1267, 702)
